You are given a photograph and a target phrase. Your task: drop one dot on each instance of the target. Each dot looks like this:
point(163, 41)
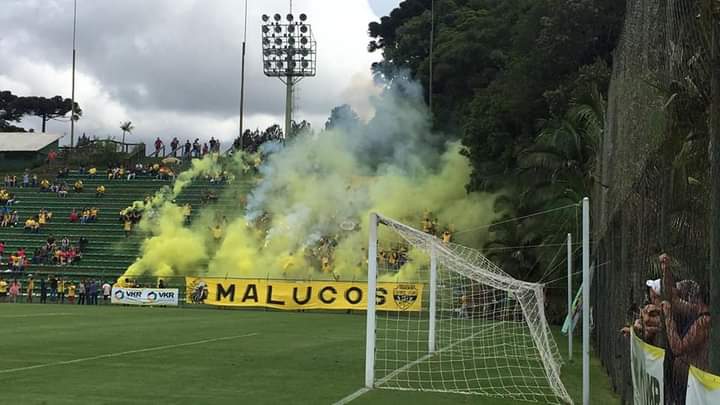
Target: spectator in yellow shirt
point(92, 172)
point(32, 225)
point(30, 288)
point(79, 186)
point(127, 227)
point(3, 290)
point(100, 191)
point(71, 292)
point(61, 290)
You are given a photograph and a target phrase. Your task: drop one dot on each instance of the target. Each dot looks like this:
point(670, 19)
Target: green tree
point(126, 127)
point(48, 108)
point(14, 108)
point(344, 118)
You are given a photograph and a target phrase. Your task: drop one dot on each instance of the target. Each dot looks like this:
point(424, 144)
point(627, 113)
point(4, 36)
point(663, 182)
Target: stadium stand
point(109, 252)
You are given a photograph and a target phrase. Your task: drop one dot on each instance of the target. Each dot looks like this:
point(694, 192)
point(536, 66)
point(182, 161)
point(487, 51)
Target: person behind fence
point(3, 290)
point(106, 290)
point(71, 291)
point(61, 290)
point(174, 146)
point(15, 291)
point(81, 292)
point(43, 291)
point(53, 288)
point(687, 325)
point(30, 288)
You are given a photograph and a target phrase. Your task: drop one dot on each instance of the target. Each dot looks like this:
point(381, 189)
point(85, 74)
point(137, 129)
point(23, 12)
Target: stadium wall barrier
point(145, 296)
point(295, 295)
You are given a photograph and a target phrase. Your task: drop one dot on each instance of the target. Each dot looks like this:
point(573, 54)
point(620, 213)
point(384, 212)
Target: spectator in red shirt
point(52, 155)
point(74, 217)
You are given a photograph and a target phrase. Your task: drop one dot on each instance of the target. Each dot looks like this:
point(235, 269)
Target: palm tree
point(563, 156)
point(127, 128)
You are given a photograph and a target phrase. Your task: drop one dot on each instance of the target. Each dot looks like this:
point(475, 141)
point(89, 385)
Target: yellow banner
point(293, 295)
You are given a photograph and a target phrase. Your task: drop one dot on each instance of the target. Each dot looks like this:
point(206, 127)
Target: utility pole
point(432, 41)
point(714, 152)
point(72, 96)
point(242, 79)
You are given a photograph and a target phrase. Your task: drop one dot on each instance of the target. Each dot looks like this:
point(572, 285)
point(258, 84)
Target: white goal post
point(461, 325)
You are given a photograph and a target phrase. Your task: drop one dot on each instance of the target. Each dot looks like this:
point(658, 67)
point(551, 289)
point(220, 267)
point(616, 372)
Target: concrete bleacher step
point(109, 252)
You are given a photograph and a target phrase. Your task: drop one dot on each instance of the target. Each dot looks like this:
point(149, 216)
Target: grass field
point(67, 354)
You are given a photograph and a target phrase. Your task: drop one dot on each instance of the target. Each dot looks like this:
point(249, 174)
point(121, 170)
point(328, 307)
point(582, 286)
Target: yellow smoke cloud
point(311, 205)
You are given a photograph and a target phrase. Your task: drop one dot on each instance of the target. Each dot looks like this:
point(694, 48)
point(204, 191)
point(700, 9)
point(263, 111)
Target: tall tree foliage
point(522, 82)
point(13, 108)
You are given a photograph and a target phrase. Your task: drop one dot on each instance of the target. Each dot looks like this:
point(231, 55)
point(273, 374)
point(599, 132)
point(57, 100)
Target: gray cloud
point(179, 57)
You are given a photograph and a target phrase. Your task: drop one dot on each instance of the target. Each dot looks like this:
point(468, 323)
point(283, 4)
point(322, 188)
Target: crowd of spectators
point(57, 289)
point(189, 150)
point(676, 317)
point(35, 222)
point(50, 252)
point(84, 215)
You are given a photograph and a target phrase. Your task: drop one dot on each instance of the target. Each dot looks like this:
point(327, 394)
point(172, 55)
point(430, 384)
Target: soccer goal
point(461, 325)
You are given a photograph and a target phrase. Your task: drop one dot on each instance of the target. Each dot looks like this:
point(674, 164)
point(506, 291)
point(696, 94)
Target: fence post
point(586, 299)
point(569, 296)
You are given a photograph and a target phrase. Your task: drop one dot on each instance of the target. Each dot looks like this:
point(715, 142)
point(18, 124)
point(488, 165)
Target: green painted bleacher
point(109, 252)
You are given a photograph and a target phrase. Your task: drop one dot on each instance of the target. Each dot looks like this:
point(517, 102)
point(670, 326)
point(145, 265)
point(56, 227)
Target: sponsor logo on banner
point(292, 295)
point(405, 295)
point(646, 364)
point(702, 388)
point(145, 296)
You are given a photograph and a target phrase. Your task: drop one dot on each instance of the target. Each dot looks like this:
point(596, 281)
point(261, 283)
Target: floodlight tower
point(289, 53)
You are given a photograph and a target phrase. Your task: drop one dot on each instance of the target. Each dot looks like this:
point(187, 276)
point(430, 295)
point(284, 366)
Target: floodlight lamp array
point(288, 47)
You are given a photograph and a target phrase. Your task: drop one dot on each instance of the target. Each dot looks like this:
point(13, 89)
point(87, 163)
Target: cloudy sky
point(172, 67)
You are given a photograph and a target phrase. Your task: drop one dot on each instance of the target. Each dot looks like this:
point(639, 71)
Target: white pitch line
point(353, 396)
point(34, 315)
point(105, 356)
point(392, 375)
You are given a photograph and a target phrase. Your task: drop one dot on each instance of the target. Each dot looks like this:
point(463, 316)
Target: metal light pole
point(242, 79)
point(432, 40)
point(72, 96)
point(289, 53)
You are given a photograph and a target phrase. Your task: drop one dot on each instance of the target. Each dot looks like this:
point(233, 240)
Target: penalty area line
point(118, 354)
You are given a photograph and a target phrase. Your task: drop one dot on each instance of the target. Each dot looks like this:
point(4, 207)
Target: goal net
point(461, 324)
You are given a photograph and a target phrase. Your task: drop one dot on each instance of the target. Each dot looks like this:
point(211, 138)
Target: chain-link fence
point(652, 194)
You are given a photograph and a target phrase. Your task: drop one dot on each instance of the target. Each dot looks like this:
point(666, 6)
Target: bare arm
point(695, 337)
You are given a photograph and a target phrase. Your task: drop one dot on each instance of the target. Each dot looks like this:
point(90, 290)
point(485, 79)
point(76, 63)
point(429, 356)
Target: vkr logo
point(152, 296)
point(119, 294)
point(405, 295)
